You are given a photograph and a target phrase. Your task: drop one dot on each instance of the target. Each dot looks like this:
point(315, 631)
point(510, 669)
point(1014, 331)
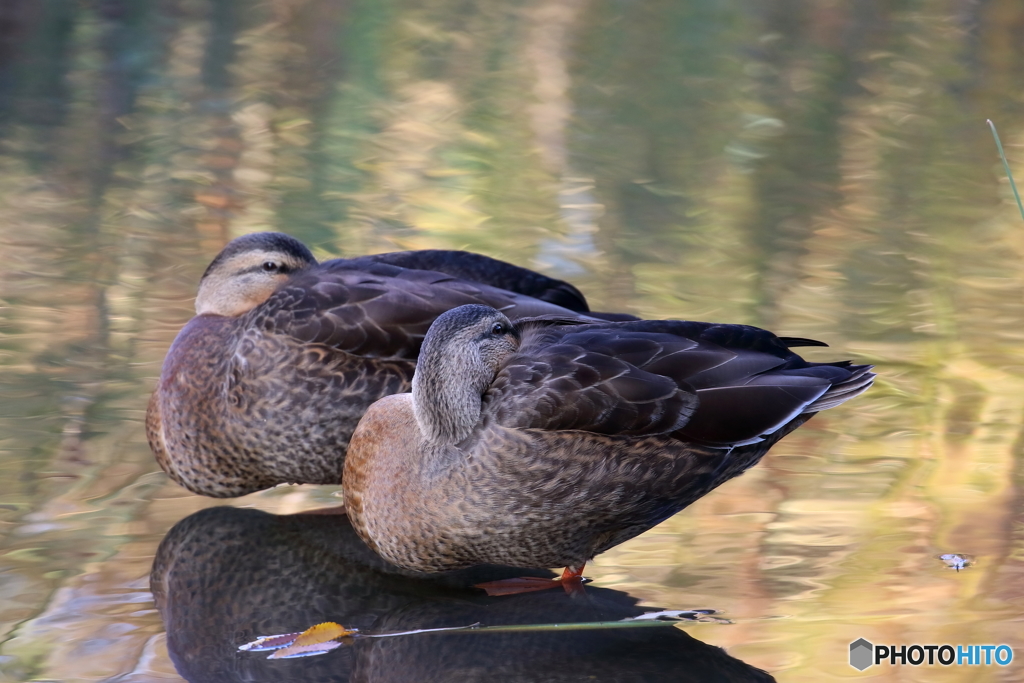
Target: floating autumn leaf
point(322, 633)
point(315, 640)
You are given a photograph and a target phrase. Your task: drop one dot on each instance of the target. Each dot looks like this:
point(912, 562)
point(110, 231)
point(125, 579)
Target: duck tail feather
point(861, 378)
point(793, 342)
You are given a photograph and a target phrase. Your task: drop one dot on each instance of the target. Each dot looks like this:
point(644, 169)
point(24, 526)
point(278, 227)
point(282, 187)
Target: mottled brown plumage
point(544, 443)
point(265, 385)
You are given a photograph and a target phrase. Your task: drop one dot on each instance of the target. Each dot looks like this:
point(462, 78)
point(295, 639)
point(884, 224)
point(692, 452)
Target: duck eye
point(270, 266)
point(498, 328)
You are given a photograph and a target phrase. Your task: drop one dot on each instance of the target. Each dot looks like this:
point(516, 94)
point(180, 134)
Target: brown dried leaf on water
point(322, 633)
point(314, 635)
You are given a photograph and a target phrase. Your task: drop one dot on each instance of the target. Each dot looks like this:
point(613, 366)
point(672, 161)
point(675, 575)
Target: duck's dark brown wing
point(378, 310)
point(715, 384)
point(485, 270)
point(593, 378)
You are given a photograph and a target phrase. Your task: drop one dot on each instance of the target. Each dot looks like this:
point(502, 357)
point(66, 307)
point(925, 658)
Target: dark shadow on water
point(224, 576)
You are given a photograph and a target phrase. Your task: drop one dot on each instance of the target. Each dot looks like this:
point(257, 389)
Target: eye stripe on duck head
point(238, 280)
point(276, 243)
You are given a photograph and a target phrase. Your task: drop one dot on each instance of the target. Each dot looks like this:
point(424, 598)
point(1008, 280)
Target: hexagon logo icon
point(861, 654)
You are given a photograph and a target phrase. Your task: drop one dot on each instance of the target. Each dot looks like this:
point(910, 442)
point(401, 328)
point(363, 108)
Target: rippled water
point(821, 169)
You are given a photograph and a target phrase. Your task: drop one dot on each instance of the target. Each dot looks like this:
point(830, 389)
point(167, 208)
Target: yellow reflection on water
point(823, 170)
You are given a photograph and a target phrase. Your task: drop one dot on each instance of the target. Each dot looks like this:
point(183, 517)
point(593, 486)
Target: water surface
point(821, 169)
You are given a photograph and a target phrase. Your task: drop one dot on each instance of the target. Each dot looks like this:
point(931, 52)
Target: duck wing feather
point(378, 310)
point(720, 385)
point(485, 270)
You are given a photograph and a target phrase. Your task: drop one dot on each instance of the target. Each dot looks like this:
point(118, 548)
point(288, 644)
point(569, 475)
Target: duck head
point(461, 355)
point(248, 270)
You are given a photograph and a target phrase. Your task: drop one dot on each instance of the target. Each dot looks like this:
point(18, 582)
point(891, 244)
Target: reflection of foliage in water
point(821, 169)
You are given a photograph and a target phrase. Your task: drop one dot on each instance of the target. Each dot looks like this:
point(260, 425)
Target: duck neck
point(447, 392)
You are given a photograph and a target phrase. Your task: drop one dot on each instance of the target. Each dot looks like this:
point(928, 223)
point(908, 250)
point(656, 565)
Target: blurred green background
point(817, 167)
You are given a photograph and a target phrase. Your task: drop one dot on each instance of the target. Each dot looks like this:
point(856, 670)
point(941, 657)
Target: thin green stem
point(1006, 165)
point(514, 628)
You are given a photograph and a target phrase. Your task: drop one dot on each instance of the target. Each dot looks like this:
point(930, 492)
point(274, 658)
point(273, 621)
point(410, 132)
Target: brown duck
point(265, 385)
point(542, 443)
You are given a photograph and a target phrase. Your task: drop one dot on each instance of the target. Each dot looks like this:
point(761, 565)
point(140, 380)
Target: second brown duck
point(542, 443)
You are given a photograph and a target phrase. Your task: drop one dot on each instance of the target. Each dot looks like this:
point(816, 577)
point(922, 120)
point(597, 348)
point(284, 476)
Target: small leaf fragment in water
point(309, 650)
point(957, 561)
point(322, 633)
point(673, 615)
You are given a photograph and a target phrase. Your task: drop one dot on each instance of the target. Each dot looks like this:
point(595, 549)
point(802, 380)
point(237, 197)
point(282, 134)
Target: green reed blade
point(1006, 165)
point(514, 628)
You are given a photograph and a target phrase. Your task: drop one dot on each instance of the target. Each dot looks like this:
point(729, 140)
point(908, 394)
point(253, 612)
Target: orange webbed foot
point(571, 580)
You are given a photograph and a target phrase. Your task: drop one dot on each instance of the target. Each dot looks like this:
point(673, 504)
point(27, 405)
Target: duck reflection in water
point(266, 383)
point(224, 576)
